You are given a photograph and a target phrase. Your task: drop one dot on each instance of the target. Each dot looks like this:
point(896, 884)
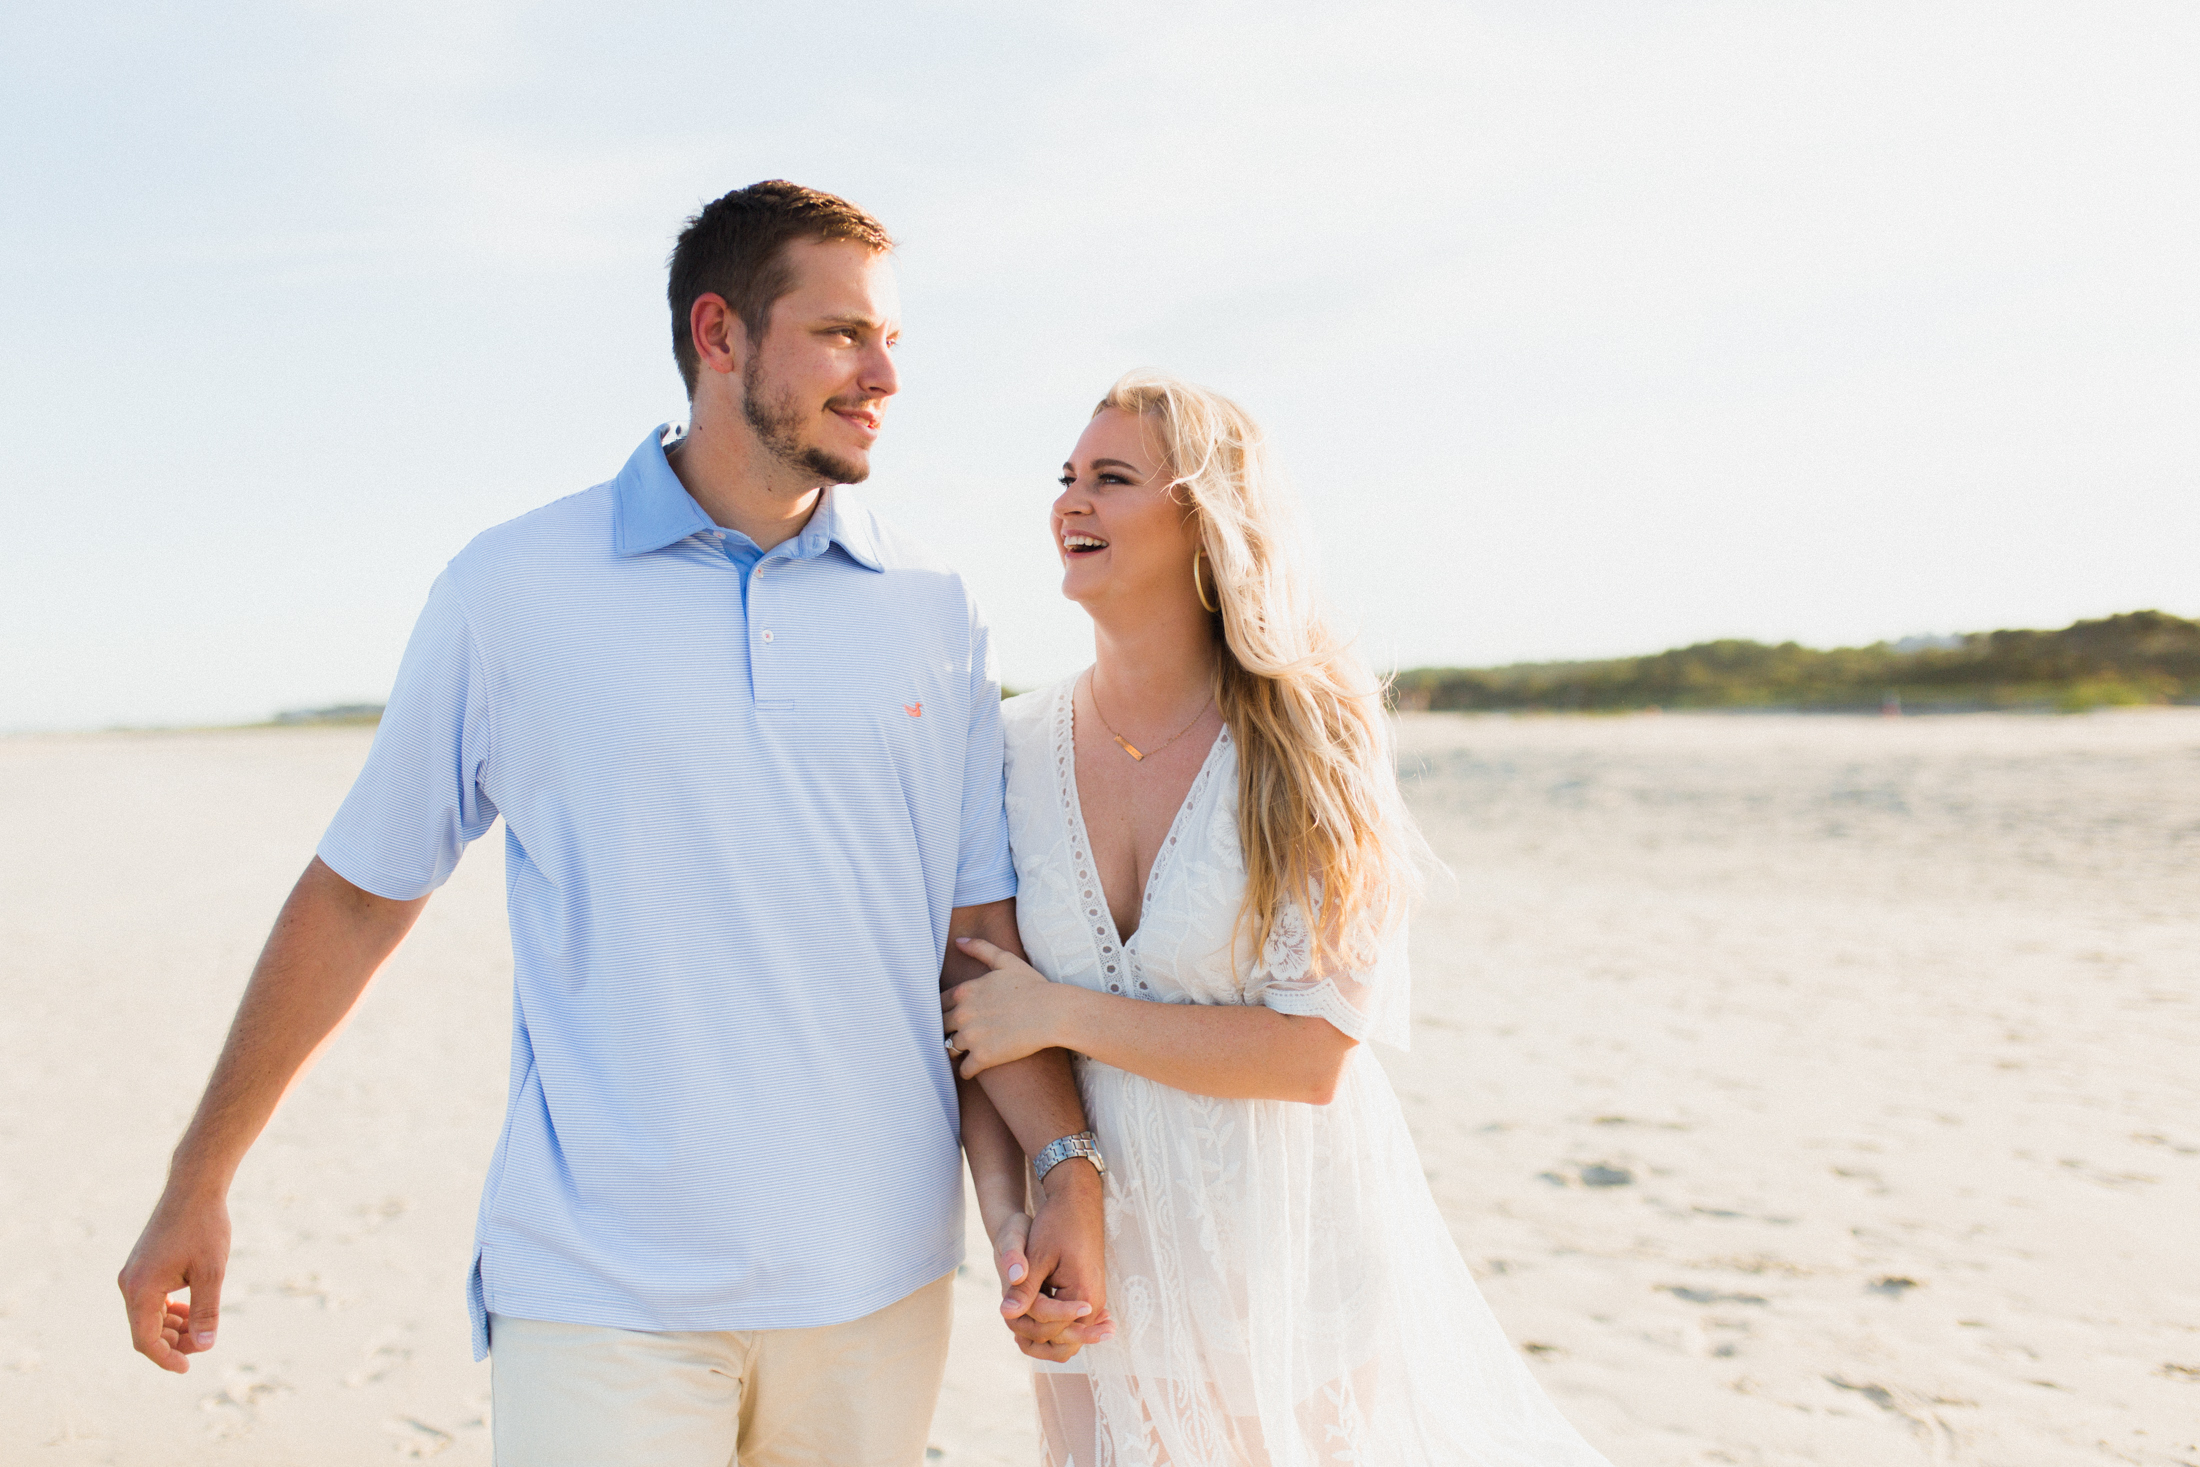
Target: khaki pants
point(858, 1394)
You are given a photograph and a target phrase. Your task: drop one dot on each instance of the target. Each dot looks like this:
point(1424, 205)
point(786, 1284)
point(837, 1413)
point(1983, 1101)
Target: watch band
point(1054, 1153)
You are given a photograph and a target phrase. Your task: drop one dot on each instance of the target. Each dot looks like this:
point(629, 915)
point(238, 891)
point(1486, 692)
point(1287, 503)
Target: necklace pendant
point(1126, 743)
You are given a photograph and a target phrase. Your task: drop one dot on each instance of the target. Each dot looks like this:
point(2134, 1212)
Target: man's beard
point(779, 423)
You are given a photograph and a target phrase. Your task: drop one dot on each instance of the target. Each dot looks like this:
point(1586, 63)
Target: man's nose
point(880, 379)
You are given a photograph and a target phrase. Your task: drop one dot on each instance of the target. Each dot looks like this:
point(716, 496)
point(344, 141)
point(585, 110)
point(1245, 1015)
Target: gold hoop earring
point(1197, 588)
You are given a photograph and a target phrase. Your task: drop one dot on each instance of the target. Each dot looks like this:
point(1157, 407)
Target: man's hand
point(185, 1245)
point(327, 942)
point(1060, 1304)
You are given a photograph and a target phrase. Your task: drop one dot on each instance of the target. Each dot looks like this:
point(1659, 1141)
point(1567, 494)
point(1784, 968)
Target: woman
point(1213, 865)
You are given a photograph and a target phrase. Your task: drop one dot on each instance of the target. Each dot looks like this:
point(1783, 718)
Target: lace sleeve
point(1368, 1003)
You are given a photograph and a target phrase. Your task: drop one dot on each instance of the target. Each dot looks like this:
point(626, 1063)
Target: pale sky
point(1584, 329)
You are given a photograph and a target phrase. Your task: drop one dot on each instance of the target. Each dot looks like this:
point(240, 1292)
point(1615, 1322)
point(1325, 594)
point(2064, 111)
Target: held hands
point(1052, 1280)
point(1002, 1017)
point(1052, 1260)
point(1039, 1321)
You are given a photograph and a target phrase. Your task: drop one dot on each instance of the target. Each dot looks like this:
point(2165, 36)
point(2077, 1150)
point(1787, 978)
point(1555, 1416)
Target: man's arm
point(1045, 1327)
point(996, 1171)
point(328, 941)
point(1037, 1098)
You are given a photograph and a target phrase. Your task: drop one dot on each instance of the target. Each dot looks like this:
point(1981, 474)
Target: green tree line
point(2137, 657)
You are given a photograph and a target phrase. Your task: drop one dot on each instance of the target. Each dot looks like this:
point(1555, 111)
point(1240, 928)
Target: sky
point(1583, 329)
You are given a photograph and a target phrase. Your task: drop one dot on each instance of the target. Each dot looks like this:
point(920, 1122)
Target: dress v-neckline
point(1073, 801)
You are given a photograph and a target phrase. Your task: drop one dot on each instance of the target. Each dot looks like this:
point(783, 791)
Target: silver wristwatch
point(1054, 1153)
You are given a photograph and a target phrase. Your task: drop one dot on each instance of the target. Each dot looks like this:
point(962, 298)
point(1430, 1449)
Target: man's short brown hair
point(736, 248)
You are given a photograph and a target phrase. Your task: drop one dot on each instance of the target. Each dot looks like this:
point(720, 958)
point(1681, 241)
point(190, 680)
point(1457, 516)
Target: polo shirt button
point(767, 636)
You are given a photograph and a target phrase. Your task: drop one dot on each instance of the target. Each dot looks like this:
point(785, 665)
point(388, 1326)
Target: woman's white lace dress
point(1284, 1288)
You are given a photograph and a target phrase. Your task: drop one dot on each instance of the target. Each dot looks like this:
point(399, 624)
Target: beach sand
point(1803, 1090)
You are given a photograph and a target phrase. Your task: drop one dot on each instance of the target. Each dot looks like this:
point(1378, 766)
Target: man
point(746, 746)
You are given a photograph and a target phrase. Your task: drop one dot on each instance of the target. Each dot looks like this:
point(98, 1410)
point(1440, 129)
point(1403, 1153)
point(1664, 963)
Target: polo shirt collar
point(651, 509)
point(842, 521)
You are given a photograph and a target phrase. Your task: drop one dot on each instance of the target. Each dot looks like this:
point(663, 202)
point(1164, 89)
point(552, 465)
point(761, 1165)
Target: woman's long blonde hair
point(1318, 811)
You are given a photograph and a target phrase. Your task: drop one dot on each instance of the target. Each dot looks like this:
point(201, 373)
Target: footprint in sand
point(416, 1438)
point(380, 1362)
point(236, 1406)
point(1711, 1296)
point(1595, 1174)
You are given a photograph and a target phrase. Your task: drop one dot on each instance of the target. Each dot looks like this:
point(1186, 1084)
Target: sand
point(1803, 1091)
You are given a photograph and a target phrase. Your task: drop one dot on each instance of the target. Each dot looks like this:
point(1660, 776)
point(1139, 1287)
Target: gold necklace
point(1092, 686)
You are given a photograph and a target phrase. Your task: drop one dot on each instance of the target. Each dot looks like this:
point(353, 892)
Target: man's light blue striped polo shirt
point(741, 795)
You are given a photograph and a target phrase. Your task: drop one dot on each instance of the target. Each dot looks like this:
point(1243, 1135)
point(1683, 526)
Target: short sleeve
point(984, 871)
point(419, 801)
point(1373, 1002)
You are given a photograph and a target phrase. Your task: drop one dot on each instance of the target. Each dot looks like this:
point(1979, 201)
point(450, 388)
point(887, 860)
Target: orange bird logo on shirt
point(914, 710)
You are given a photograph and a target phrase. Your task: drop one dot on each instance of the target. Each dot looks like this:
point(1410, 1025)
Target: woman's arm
point(1237, 1053)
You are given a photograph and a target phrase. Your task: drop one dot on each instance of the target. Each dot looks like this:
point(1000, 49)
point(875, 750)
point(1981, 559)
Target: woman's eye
point(1066, 480)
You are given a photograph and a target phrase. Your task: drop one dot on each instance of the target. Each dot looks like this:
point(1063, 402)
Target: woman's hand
point(1000, 1018)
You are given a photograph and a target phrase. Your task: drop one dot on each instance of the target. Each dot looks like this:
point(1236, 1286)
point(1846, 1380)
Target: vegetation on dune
point(341, 713)
point(2137, 657)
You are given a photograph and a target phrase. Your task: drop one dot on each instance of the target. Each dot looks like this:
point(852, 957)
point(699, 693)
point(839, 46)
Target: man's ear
point(721, 341)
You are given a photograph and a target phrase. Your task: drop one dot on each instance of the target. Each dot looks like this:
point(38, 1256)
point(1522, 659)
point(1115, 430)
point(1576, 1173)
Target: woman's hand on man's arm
point(1008, 1012)
point(1232, 1051)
